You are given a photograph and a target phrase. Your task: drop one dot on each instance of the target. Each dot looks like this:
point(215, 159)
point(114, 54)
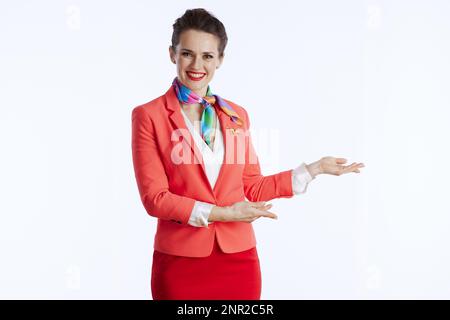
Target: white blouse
point(213, 160)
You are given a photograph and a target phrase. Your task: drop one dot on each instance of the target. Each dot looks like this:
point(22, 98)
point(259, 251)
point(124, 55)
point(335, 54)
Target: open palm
point(335, 166)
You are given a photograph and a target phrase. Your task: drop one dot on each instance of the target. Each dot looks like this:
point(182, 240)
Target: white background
point(364, 80)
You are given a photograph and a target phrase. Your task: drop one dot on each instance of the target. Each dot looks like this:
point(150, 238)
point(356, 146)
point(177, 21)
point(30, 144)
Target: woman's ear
point(172, 54)
point(220, 61)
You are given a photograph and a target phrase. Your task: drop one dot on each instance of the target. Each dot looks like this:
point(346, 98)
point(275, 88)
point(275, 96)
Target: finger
point(358, 166)
point(266, 207)
point(266, 214)
point(342, 170)
point(257, 204)
point(351, 168)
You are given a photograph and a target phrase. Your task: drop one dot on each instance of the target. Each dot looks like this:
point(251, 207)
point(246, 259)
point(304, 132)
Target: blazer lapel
point(227, 126)
point(173, 106)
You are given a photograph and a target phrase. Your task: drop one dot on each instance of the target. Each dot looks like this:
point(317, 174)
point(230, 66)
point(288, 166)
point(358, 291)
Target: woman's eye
point(187, 54)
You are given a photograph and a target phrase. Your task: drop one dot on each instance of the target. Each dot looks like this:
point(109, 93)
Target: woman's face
point(197, 58)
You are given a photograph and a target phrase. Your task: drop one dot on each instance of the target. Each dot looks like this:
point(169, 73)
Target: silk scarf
point(187, 96)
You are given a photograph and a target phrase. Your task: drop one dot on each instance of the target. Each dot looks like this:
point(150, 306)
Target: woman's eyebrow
point(184, 49)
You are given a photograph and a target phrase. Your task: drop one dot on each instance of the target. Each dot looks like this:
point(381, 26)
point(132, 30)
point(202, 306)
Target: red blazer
point(169, 189)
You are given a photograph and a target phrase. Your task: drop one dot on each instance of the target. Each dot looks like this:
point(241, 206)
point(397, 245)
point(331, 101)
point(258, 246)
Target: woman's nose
point(197, 63)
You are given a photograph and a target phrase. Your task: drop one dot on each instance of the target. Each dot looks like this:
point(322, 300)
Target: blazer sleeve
point(258, 187)
point(150, 174)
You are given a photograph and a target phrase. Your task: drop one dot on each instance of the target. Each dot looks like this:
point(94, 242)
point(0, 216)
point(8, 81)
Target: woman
point(195, 165)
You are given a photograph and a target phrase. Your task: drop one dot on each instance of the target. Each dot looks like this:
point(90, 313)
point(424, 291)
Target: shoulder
point(149, 109)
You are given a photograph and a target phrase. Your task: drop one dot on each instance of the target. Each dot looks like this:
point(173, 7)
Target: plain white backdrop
point(365, 80)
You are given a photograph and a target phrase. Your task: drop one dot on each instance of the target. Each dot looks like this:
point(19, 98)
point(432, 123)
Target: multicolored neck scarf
point(187, 96)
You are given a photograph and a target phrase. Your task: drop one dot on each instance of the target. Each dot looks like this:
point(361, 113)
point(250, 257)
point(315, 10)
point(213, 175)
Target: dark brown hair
point(201, 20)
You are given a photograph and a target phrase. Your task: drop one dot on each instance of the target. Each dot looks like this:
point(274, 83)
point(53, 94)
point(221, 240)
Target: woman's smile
point(195, 76)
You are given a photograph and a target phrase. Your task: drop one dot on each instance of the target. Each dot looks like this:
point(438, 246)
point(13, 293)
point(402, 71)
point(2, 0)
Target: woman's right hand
point(246, 211)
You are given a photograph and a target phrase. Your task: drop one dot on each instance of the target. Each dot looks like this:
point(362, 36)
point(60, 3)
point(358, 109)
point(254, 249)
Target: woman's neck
point(194, 109)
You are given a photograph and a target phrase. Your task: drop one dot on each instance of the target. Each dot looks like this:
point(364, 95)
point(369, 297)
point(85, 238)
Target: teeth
point(195, 75)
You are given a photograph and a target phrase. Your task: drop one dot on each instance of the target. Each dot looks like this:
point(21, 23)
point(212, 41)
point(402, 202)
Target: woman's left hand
point(334, 166)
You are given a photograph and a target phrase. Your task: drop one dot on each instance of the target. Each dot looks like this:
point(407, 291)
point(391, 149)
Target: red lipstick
point(195, 78)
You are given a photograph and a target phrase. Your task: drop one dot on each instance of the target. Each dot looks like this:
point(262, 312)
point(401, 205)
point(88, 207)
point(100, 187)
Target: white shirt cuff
point(200, 214)
point(300, 179)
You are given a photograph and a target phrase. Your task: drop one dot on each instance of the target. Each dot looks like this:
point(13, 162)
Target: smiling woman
point(197, 55)
point(205, 246)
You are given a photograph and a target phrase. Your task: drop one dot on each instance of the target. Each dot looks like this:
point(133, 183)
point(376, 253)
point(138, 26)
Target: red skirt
point(220, 276)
